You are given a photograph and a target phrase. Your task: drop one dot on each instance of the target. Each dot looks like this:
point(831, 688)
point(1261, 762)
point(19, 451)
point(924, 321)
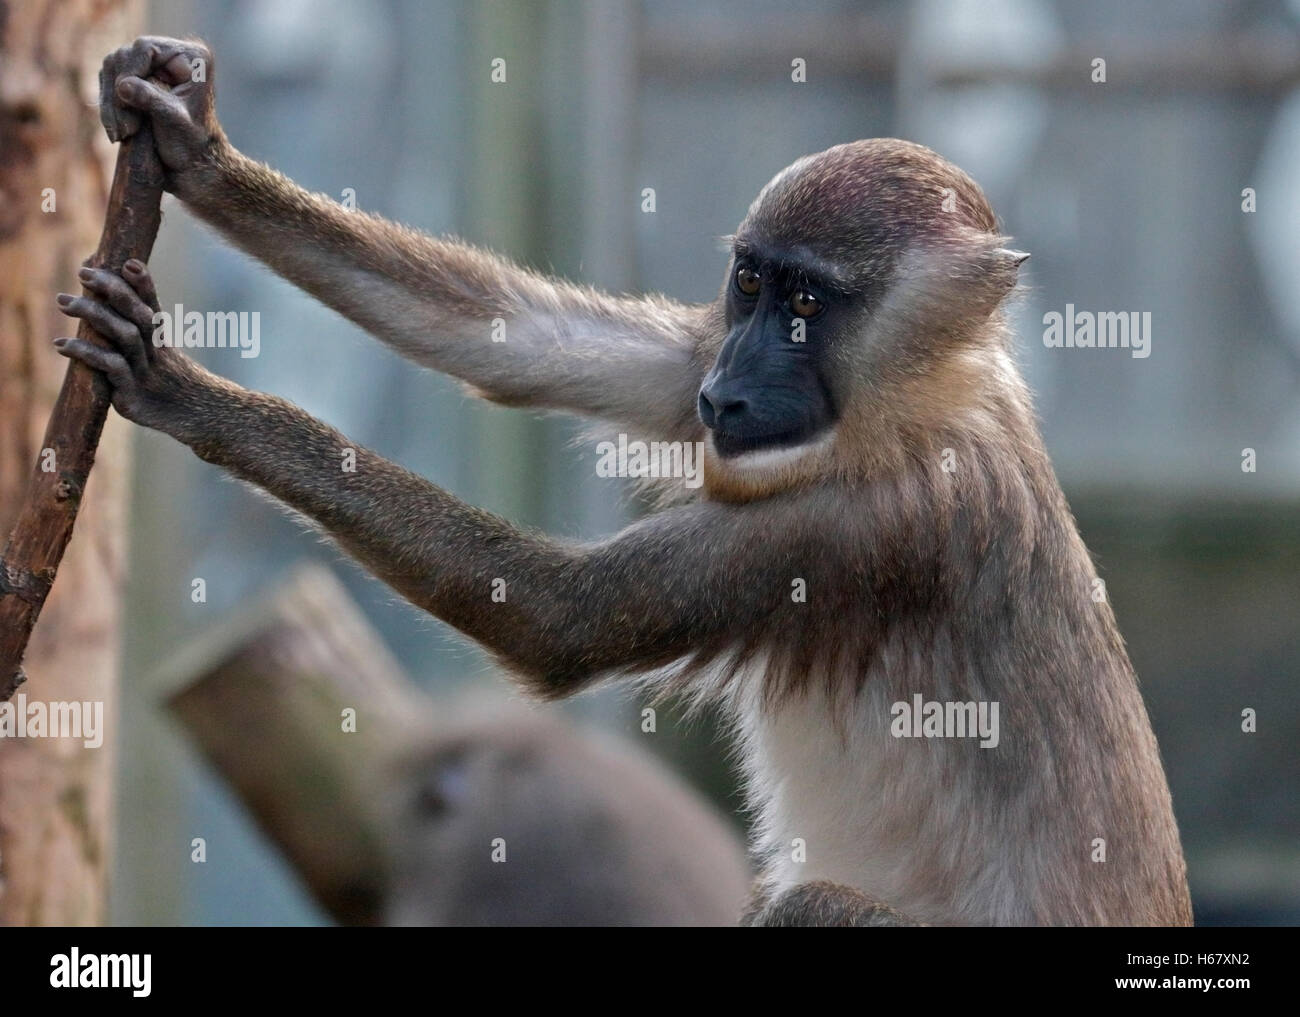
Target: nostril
point(733, 408)
point(706, 411)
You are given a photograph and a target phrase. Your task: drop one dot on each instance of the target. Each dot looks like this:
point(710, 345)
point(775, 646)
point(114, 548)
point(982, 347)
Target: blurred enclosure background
point(1128, 194)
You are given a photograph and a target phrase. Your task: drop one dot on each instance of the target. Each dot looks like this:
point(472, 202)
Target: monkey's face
point(860, 285)
point(768, 387)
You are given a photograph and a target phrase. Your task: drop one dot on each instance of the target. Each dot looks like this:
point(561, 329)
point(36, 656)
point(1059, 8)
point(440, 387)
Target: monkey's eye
point(747, 281)
point(804, 304)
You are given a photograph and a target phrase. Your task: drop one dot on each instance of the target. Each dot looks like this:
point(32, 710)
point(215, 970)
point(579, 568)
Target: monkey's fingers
point(108, 362)
point(148, 56)
point(136, 272)
point(120, 293)
point(157, 100)
point(135, 60)
point(123, 334)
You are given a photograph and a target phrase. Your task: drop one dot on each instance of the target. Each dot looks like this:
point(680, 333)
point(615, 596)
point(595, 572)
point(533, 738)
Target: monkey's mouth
point(729, 445)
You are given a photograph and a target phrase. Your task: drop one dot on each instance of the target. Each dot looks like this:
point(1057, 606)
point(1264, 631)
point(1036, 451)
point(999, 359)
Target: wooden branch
point(44, 523)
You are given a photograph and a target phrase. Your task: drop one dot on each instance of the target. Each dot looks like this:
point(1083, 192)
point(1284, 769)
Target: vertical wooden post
point(56, 794)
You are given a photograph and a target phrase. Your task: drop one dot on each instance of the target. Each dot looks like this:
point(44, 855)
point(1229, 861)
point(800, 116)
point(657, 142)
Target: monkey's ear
point(1005, 267)
point(954, 284)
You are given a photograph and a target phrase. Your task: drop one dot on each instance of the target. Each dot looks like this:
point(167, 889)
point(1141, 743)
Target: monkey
point(879, 522)
point(514, 817)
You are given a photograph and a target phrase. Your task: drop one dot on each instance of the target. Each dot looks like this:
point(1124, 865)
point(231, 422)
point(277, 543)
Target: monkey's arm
point(685, 580)
point(562, 613)
point(516, 336)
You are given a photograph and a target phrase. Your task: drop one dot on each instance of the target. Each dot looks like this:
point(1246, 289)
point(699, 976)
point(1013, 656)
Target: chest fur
point(917, 823)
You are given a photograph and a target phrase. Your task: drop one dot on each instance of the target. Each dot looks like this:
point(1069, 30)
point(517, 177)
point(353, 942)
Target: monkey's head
point(860, 307)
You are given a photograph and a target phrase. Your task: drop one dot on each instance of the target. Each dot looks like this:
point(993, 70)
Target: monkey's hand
point(170, 82)
point(157, 387)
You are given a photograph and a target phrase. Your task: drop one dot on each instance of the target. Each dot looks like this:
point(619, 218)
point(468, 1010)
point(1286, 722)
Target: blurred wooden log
point(264, 694)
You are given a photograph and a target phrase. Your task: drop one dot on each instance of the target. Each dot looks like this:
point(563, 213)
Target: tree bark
point(55, 794)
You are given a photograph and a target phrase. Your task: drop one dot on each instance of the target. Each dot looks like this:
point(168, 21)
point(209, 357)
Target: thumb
point(165, 108)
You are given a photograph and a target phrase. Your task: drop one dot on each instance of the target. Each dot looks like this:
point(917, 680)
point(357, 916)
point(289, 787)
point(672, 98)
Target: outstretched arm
point(690, 579)
point(518, 337)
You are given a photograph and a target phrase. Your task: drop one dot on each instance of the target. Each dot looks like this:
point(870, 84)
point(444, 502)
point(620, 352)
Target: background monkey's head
point(859, 310)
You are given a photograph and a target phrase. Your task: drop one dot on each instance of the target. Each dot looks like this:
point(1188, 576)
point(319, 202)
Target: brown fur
point(824, 904)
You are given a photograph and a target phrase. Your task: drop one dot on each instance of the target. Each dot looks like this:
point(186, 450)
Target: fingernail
point(60, 343)
point(134, 267)
point(63, 299)
point(86, 274)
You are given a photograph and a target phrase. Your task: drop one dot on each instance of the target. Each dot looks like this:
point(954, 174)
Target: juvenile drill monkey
point(878, 521)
